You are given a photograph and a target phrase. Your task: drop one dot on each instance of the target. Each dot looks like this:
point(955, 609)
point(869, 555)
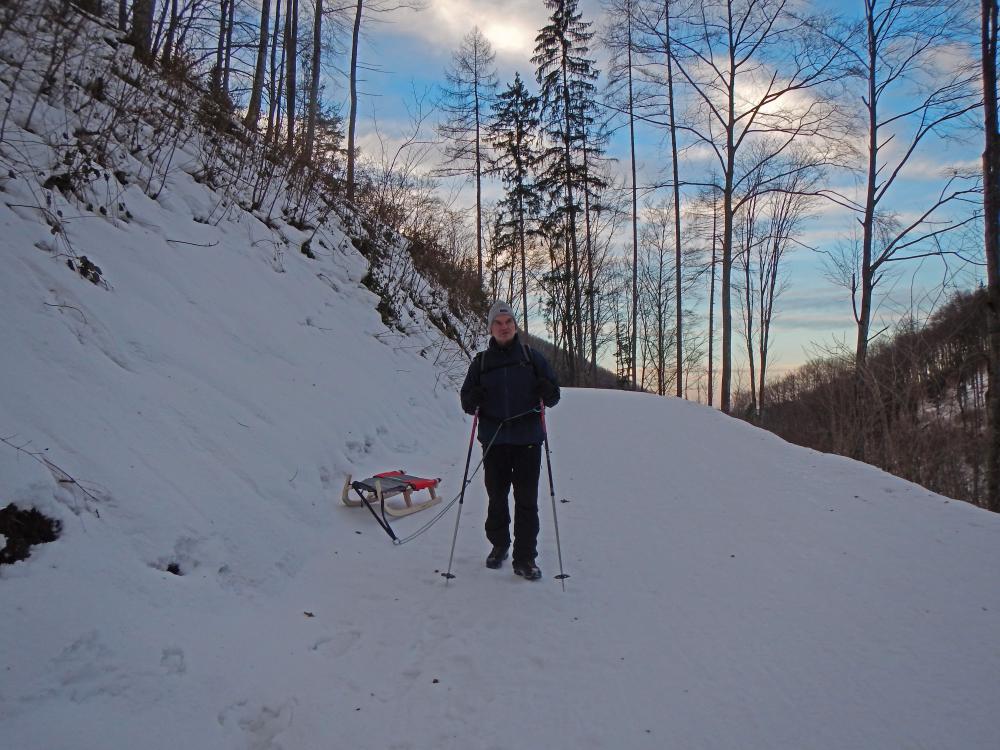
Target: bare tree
point(470, 88)
point(656, 20)
point(752, 66)
point(291, 65)
point(657, 292)
point(620, 37)
point(991, 210)
point(257, 87)
point(374, 6)
point(909, 56)
point(338, 15)
point(769, 223)
point(142, 28)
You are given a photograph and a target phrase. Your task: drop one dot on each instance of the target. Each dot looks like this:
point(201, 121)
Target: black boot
point(527, 570)
point(496, 557)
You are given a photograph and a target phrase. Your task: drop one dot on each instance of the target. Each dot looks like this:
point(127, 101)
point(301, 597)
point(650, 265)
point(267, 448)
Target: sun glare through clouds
point(509, 38)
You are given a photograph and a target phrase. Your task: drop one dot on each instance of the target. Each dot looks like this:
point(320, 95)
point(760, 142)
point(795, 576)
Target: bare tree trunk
point(678, 265)
point(635, 203)
point(142, 29)
point(291, 65)
point(314, 82)
point(275, 81)
point(353, 116)
point(215, 85)
point(227, 67)
point(158, 36)
point(991, 201)
point(589, 250)
point(864, 284)
point(524, 263)
point(748, 301)
point(711, 302)
point(727, 271)
point(572, 266)
point(479, 180)
point(168, 44)
point(260, 71)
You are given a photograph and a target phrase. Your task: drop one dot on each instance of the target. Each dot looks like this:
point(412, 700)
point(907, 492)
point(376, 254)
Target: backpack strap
point(526, 350)
point(527, 356)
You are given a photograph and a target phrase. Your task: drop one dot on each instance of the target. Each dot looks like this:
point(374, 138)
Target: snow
point(727, 589)
point(202, 408)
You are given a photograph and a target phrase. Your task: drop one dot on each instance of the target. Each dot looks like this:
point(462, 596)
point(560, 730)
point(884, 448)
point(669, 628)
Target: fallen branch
point(196, 244)
point(62, 476)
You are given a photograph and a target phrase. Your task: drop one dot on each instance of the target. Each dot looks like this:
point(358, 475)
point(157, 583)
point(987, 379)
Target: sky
point(190, 422)
point(815, 314)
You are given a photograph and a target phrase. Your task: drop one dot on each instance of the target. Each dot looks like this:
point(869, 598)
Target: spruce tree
point(514, 134)
point(566, 79)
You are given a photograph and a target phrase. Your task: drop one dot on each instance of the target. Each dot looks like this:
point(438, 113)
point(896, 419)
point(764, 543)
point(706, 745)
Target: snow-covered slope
point(727, 590)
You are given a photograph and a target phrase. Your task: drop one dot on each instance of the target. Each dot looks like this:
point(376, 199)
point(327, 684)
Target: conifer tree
point(513, 133)
point(566, 79)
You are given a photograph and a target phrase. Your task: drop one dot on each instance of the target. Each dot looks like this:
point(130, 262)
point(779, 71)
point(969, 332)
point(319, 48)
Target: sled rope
point(423, 529)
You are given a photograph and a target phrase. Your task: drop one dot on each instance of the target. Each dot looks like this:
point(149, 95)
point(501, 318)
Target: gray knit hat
point(499, 308)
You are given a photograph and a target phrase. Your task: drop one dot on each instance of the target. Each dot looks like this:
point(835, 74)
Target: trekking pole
point(552, 493)
point(461, 498)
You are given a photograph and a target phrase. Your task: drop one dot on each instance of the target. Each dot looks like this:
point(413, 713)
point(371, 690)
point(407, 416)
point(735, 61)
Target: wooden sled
point(376, 490)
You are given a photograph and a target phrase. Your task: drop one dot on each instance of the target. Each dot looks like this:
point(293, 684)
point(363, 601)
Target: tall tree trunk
point(291, 65)
point(726, 291)
point(678, 266)
point(865, 284)
point(635, 206)
point(275, 79)
point(727, 237)
point(991, 201)
point(314, 82)
point(748, 295)
point(142, 29)
point(353, 116)
point(227, 67)
point(168, 44)
point(711, 303)
point(160, 26)
point(589, 251)
point(220, 51)
point(572, 267)
point(260, 71)
point(766, 315)
point(479, 182)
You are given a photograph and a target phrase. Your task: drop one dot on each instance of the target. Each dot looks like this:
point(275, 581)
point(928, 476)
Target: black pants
point(517, 465)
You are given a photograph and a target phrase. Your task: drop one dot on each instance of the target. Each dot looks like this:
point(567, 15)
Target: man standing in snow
point(507, 383)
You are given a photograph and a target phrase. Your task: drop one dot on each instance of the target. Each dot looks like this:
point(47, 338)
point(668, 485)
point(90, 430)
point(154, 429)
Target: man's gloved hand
point(545, 389)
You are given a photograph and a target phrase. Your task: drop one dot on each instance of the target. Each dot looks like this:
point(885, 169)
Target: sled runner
point(379, 488)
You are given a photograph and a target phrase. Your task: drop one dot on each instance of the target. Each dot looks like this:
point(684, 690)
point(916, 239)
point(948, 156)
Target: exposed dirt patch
point(24, 529)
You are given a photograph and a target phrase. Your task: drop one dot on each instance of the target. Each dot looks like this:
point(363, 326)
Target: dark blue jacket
point(508, 374)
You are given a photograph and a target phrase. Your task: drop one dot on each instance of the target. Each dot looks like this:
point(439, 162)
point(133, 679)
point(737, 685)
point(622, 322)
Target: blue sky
point(412, 49)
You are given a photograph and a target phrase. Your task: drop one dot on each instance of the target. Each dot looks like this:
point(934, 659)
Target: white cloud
point(510, 25)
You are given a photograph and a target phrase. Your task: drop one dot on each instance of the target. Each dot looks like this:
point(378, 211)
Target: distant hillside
point(923, 402)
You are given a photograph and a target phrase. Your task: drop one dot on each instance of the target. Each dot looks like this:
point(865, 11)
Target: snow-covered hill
point(197, 411)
